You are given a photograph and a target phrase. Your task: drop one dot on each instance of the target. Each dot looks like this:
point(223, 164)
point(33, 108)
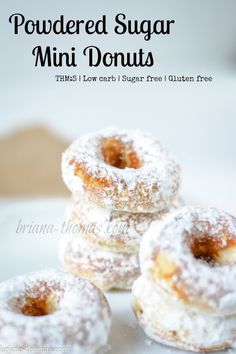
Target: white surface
point(21, 253)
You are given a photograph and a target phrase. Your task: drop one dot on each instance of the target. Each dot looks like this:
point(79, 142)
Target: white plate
point(22, 252)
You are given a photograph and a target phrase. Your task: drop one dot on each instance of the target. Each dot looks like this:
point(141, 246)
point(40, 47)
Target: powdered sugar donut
point(192, 254)
point(112, 230)
point(107, 270)
point(53, 309)
point(121, 169)
point(168, 320)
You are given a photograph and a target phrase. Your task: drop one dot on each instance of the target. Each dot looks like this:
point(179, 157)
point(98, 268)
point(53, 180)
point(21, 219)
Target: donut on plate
point(188, 266)
point(107, 270)
point(112, 230)
point(123, 170)
point(53, 309)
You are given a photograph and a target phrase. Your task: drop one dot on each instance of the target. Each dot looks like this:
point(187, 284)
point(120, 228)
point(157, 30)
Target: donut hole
point(40, 306)
point(39, 300)
point(118, 154)
point(215, 251)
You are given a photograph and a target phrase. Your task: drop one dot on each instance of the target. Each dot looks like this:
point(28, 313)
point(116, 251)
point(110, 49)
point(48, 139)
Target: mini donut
point(51, 308)
point(168, 320)
point(107, 270)
point(112, 230)
point(192, 254)
point(123, 170)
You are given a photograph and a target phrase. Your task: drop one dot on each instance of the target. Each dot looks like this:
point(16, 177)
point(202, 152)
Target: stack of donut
point(121, 181)
point(186, 295)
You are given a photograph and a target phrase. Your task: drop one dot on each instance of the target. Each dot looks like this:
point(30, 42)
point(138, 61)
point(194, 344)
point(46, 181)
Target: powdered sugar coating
point(168, 320)
point(213, 287)
point(150, 188)
point(112, 230)
point(108, 270)
point(82, 321)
